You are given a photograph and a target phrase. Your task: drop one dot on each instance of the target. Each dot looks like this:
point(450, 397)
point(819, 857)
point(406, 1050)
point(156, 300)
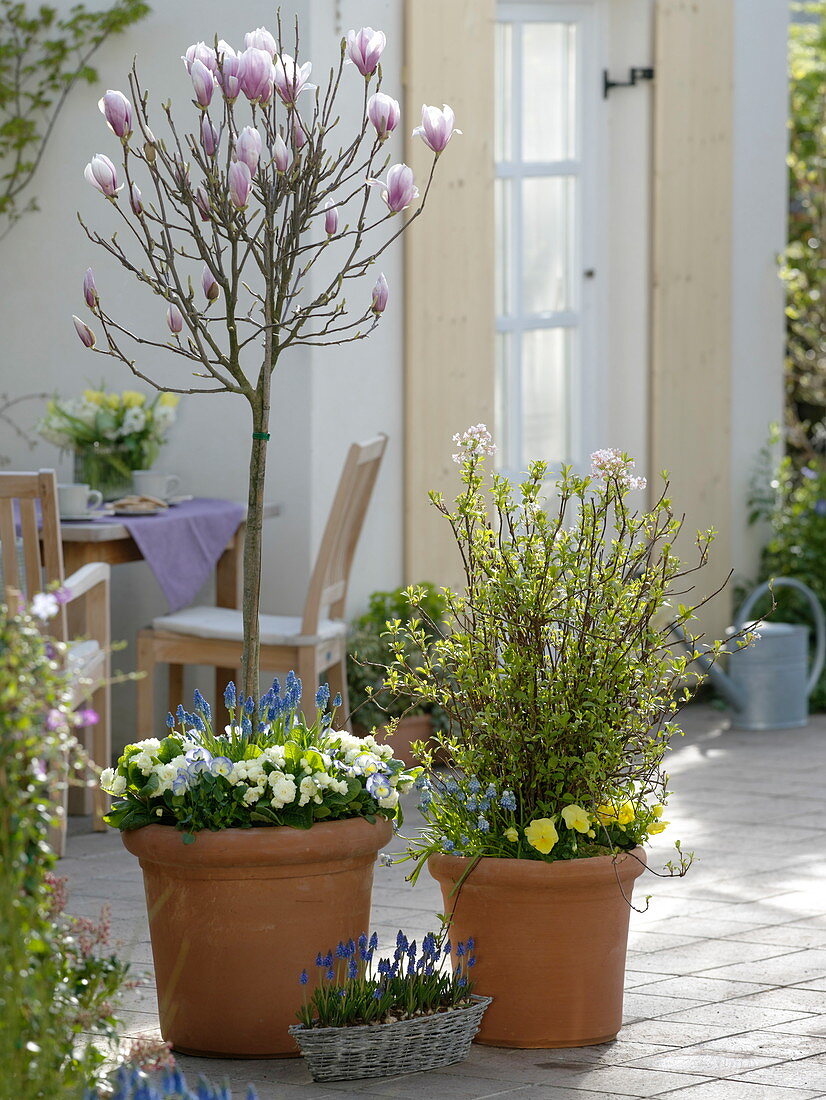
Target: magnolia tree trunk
point(253, 547)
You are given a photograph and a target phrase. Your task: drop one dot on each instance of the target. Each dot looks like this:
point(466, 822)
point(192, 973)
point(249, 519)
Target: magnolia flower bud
point(174, 319)
point(239, 181)
point(261, 39)
point(209, 136)
point(87, 337)
point(331, 218)
point(380, 295)
point(135, 199)
point(299, 136)
point(256, 75)
point(90, 291)
point(102, 174)
point(281, 154)
point(437, 128)
point(248, 148)
point(201, 200)
point(117, 110)
point(384, 112)
point(364, 49)
point(203, 53)
point(210, 285)
point(203, 82)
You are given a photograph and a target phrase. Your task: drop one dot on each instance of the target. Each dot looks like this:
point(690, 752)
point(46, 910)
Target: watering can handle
point(820, 620)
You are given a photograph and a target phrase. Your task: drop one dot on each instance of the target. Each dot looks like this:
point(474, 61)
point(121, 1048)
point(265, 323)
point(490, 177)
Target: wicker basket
point(385, 1050)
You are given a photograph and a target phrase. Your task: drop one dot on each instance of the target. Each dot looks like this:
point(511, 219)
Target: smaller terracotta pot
point(550, 941)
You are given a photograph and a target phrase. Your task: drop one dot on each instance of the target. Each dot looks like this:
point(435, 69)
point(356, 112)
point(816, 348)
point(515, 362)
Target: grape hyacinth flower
point(384, 113)
point(87, 337)
point(364, 49)
point(400, 190)
point(507, 801)
point(174, 319)
point(437, 128)
point(380, 295)
point(102, 175)
point(291, 79)
point(117, 110)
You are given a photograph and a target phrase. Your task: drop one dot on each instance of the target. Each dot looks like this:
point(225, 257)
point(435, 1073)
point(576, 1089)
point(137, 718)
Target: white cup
point(149, 483)
point(77, 500)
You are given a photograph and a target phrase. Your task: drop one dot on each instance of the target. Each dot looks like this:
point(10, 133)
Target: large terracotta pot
point(234, 918)
point(551, 944)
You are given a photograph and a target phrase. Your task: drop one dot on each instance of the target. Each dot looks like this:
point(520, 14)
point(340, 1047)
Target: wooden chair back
point(331, 575)
point(37, 546)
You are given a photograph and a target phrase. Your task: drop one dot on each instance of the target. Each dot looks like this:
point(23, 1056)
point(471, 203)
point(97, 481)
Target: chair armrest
point(86, 578)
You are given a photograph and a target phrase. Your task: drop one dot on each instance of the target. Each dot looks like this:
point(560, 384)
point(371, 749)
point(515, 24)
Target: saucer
point(81, 516)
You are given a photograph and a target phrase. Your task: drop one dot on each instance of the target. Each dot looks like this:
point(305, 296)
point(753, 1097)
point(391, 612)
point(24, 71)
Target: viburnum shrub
point(555, 668)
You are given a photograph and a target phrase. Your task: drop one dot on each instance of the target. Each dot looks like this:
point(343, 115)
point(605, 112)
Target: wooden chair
point(31, 555)
point(311, 643)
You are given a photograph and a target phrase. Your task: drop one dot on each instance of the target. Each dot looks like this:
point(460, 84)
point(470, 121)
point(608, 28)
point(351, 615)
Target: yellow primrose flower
point(168, 400)
point(591, 834)
point(112, 400)
point(577, 818)
point(542, 835)
point(658, 826)
point(511, 835)
point(131, 399)
point(627, 813)
point(94, 397)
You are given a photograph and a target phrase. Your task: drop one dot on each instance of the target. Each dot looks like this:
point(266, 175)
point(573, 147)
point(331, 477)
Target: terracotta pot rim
point(536, 873)
point(325, 842)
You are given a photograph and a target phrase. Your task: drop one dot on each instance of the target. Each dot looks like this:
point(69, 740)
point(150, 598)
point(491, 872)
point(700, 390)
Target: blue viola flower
point(180, 784)
point(378, 786)
point(220, 765)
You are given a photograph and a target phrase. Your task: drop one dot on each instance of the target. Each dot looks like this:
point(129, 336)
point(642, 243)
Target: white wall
point(322, 400)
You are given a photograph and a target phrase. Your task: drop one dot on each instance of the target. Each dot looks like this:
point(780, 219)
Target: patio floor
point(726, 983)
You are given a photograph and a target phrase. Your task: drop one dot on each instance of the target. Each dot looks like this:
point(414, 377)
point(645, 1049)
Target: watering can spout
point(724, 684)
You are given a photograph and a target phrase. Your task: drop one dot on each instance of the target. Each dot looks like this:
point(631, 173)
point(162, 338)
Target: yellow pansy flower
point(576, 818)
point(94, 397)
point(131, 399)
point(627, 813)
point(168, 400)
point(542, 835)
point(622, 814)
point(511, 835)
point(658, 809)
point(658, 826)
point(112, 400)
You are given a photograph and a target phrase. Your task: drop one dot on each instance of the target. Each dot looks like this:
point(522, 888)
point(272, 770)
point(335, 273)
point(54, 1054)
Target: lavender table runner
point(183, 544)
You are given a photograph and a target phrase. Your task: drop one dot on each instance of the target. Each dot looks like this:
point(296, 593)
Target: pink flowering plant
point(226, 224)
point(555, 668)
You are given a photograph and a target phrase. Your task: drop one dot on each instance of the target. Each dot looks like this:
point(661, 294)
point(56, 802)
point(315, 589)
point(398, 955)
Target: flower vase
point(107, 468)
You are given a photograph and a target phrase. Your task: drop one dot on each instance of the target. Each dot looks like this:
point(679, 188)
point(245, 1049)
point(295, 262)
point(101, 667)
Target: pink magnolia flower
point(201, 200)
point(437, 128)
point(87, 717)
point(90, 291)
point(87, 337)
point(384, 112)
point(400, 190)
point(203, 53)
point(299, 136)
point(117, 110)
point(174, 319)
point(291, 79)
point(380, 295)
point(209, 136)
point(209, 284)
point(261, 39)
point(135, 199)
point(240, 181)
point(248, 148)
point(228, 75)
point(364, 49)
point(203, 81)
point(281, 154)
point(256, 75)
point(330, 218)
point(103, 175)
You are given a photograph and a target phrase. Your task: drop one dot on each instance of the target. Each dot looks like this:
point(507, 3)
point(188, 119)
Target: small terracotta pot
point(234, 918)
point(416, 727)
point(551, 941)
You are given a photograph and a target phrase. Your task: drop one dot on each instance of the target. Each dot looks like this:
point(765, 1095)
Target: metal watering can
point(768, 684)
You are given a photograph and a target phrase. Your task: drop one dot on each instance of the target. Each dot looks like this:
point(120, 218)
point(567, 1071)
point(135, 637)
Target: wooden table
point(112, 543)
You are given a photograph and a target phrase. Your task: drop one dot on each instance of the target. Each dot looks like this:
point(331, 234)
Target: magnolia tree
point(226, 223)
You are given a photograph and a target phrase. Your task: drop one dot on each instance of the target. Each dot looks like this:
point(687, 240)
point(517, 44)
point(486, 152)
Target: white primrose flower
point(145, 762)
point(118, 786)
point(390, 802)
point(106, 778)
point(308, 790)
point(252, 795)
point(283, 791)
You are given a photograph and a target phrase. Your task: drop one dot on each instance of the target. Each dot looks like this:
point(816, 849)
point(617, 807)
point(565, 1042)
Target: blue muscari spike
point(197, 722)
point(249, 706)
point(341, 951)
point(322, 696)
point(251, 1093)
point(374, 941)
point(272, 714)
point(246, 725)
point(362, 941)
point(276, 686)
point(337, 700)
point(352, 969)
point(290, 680)
point(170, 721)
point(328, 959)
point(229, 695)
point(180, 713)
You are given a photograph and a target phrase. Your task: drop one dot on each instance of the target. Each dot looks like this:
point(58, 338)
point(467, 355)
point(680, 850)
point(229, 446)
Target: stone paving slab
point(726, 983)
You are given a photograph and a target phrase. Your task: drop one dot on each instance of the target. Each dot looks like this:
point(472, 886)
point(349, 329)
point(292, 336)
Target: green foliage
point(354, 989)
point(369, 653)
point(794, 504)
point(42, 56)
point(556, 672)
point(58, 980)
point(804, 267)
